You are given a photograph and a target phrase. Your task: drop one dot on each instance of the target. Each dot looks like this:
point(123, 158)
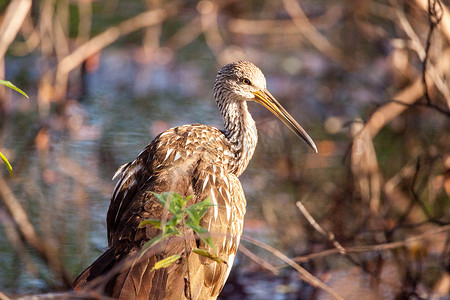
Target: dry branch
point(106, 38)
point(422, 52)
point(364, 167)
point(318, 228)
point(3, 296)
point(209, 23)
point(445, 22)
point(391, 110)
point(15, 15)
point(305, 275)
point(312, 34)
point(46, 251)
point(429, 234)
point(258, 260)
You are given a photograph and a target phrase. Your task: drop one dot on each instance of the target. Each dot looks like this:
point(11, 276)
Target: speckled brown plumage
point(194, 160)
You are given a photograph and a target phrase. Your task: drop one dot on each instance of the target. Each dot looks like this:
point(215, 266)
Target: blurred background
point(368, 80)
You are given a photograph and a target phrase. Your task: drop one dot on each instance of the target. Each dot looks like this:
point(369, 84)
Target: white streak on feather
point(142, 151)
point(228, 208)
point(164, 134)
point(177, 156)
point(204, 184)
point(118, 210)
point(229, 265)
point(224, 244)
point(225, 178)
point(129, 172)
point(116, 188)
point(168, 153)
point(119, 171)
point(216, 206)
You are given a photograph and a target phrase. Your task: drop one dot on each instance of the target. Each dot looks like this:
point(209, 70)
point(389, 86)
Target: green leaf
point(209, 255)
point(176, 202)
point(12, 86)
point(197, 211)
point(174, 221)
point(8, 165)
point(162, 198)
point(164, 263)
point(202, 232)
point(156, 223)
point(151, 243)
point(171, 231)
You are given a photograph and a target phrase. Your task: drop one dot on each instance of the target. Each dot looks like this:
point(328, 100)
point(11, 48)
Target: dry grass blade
point(364, 166)
point(429, 70)
point(305, 275)
point(430, 234)
point(258, 260)
point(13, 19)
point(312, 34)
point(19, 215)
point(104, 39)
point(4, 297)
point(328, 235)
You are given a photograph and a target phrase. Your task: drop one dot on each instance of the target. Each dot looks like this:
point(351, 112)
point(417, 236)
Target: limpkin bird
point(196, 160)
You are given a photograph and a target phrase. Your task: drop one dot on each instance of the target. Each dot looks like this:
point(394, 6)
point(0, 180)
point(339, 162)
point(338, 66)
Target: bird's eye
point(246, 81)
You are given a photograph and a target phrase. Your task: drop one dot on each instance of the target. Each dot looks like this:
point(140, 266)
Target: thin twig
point(431, 106)
point(310, 32)
point(373, 248)
point(434, 17)
point(329, 235)
point(19, 215)
point(429, 72)
point(110, 35)
point(186, 249)
point(4, 297)
point(258, 260)
point(305, 275)
point(15, 15)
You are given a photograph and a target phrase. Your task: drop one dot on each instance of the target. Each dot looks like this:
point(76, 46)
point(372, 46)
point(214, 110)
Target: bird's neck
point(240, 130)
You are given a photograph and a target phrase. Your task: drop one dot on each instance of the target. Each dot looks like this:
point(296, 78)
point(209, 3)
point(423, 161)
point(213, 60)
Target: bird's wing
point(181, 160)
point(224, 222)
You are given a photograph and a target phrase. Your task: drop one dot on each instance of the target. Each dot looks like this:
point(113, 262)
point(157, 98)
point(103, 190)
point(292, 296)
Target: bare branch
point(110, 35)
point(15, 15)
point(258, 260)
point(329, 235)
point(19, 215)
point(312, 34)
point(305, 275)
point(430, 234)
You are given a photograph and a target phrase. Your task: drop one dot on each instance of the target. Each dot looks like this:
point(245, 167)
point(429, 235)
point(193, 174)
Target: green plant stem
point(187, 254)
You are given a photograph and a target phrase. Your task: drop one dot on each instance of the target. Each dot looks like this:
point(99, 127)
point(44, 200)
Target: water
point(64, 164)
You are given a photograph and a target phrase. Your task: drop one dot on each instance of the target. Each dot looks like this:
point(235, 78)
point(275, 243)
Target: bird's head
point(243, 81)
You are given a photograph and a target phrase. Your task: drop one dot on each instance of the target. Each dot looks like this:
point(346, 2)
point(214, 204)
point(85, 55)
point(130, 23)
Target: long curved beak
point(266, 99)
